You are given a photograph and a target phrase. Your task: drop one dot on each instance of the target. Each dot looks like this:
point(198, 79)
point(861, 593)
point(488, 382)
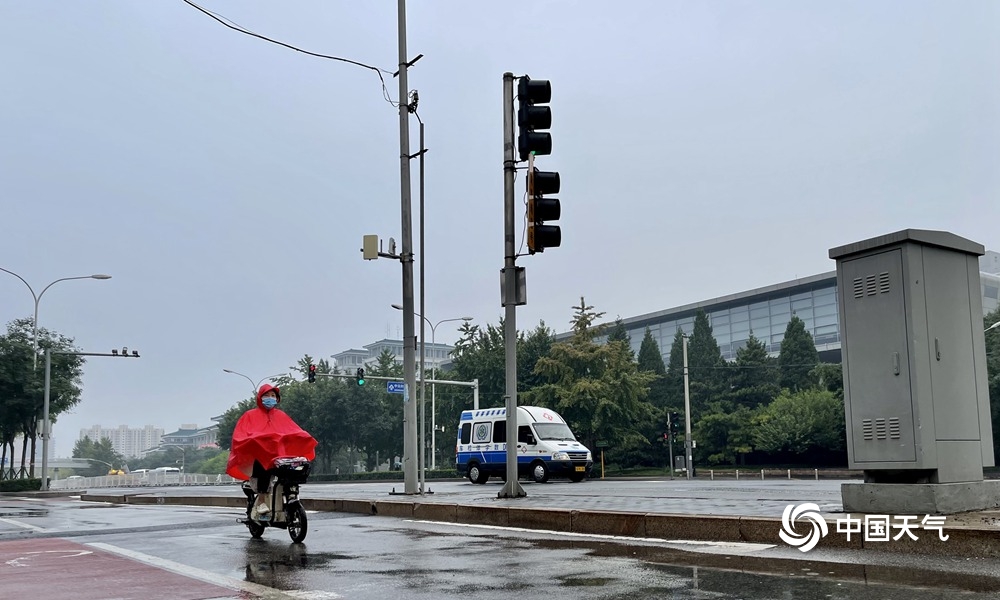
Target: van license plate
point(581, 469)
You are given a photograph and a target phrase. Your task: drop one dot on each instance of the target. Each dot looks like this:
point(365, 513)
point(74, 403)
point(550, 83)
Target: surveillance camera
point(135, 353)
point(114, 353)
point(125, 350)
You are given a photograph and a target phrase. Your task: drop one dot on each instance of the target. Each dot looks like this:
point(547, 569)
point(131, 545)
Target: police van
point(546, 447)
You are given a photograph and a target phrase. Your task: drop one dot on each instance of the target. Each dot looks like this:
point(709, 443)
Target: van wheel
point(476, 474)
point(539, 472)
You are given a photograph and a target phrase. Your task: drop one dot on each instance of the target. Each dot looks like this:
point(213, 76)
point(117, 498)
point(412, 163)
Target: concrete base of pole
point(920, 498)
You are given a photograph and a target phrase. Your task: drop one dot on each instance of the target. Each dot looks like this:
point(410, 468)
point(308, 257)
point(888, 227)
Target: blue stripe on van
point(495, 457)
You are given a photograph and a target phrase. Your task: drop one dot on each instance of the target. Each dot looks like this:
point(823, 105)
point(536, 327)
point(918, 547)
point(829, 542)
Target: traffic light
point(675, 421)
point(312, 373)
point(542, 209)
point(360, 376)
point(531, 117)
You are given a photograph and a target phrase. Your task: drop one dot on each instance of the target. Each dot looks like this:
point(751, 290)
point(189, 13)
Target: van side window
point(500, 432)
point(524, 435)
point(466, 433)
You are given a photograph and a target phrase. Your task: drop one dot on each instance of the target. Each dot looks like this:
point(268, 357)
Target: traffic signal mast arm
point(378, 378)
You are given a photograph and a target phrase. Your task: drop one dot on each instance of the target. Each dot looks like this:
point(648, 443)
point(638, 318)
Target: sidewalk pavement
point(721, 510)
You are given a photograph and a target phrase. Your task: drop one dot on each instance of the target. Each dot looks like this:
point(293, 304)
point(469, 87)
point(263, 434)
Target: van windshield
point(554, 431)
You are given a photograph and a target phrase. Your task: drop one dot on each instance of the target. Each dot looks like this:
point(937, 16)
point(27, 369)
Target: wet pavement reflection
point(376, 558)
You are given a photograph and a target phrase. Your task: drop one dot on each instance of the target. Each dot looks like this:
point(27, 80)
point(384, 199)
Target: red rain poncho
point(264, 435)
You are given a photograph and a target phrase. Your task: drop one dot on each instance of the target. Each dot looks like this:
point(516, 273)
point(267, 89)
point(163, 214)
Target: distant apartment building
point(130, 442)
point(349, 360)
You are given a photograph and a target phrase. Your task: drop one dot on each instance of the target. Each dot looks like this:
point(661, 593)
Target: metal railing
point(151, 479)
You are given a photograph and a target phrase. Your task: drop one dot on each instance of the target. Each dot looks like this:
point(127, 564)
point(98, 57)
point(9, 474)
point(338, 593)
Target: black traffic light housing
point(542, 209)
point(312, 373)
point(360, 376)
point(531, 117)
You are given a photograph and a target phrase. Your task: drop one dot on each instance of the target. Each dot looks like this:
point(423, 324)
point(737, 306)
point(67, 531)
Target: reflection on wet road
point(369, 558)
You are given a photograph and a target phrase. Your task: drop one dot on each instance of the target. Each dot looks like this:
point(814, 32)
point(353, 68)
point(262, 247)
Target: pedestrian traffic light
point(542, 209)
point(531, 117)
point(312, 373)
point(360, 376)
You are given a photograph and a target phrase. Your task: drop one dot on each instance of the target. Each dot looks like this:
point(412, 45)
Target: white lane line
point(263, 591)
point(743, 546)
point(24, 525)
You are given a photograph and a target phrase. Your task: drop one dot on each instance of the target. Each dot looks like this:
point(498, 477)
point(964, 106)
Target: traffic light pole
point(511, 488)
point(670, 444)
point(46, 426)
point(406, 259)
point(688, 442)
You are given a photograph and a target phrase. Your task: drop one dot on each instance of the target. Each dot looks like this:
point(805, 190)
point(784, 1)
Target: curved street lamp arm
point(33, 295)
point(39, 297)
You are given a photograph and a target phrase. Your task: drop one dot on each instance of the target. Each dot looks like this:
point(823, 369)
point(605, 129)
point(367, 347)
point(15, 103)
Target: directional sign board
point(395, 387)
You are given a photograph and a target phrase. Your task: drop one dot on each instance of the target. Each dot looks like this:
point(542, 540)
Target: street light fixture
point(993, 326)
point(433, 385)
point(255, 387)
point(38, 297)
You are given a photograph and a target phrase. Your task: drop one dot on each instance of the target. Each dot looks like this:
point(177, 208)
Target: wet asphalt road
point(367, 558)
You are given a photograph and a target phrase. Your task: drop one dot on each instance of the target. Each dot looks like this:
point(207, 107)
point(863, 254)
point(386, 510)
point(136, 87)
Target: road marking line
point(746, 546)
point(24, 525)
point(264, 591)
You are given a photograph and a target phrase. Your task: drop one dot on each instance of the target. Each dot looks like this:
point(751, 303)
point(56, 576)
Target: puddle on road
point(723, 567)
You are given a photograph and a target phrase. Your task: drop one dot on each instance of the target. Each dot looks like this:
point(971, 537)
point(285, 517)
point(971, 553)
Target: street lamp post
point(433, 374)
point(993, 326)
point(38, 297)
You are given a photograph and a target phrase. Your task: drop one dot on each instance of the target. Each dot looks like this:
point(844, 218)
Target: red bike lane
point(58, 569)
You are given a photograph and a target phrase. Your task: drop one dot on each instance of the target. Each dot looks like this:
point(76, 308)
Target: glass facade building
point(767, 311)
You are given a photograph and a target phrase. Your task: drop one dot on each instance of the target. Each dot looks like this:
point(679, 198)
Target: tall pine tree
point(798, 356)
point(754, 376)
point(650, 359)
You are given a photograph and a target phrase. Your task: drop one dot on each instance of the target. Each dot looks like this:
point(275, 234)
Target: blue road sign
point(395, 387)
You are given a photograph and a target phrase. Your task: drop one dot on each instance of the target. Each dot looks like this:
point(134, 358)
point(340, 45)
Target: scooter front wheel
point(298, 525)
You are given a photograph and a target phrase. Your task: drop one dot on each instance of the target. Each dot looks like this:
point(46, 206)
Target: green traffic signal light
point(360, 376)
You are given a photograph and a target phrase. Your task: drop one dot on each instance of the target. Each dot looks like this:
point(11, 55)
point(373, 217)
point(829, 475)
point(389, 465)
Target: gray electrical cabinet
point(915, 385)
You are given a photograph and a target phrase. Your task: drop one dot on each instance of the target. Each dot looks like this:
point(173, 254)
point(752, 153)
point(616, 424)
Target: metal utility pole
point(688, 442)
point(406, 258)
point(423, 352)
point(511, 489)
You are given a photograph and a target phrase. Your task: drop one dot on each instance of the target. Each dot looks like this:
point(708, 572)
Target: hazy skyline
point(705, 148)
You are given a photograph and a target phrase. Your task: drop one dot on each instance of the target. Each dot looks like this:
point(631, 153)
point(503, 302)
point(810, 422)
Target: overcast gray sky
point(705, 148)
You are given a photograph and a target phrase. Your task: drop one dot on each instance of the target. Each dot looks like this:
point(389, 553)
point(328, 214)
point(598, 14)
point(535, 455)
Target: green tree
point(618, 333)
point(22, 385)
point(706, 367)
point(725, 435)
point(597, 388)
point(651, 360)
point(386, 365)
point(675, 373)
point(993, 373)
point(754, 376)
point(797, 422)
point(797, 357)
point(104, 456)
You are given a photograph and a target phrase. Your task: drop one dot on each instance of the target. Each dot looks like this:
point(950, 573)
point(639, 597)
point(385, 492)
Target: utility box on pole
point(915, 395)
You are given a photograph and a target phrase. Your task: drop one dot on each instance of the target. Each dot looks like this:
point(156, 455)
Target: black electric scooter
point(287, 512)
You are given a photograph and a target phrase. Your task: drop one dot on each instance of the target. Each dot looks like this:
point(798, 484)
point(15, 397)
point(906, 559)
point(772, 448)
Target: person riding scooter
point(261, 435)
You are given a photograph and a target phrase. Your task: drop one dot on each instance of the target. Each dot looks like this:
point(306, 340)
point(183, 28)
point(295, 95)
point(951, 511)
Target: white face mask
point(269, 402)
